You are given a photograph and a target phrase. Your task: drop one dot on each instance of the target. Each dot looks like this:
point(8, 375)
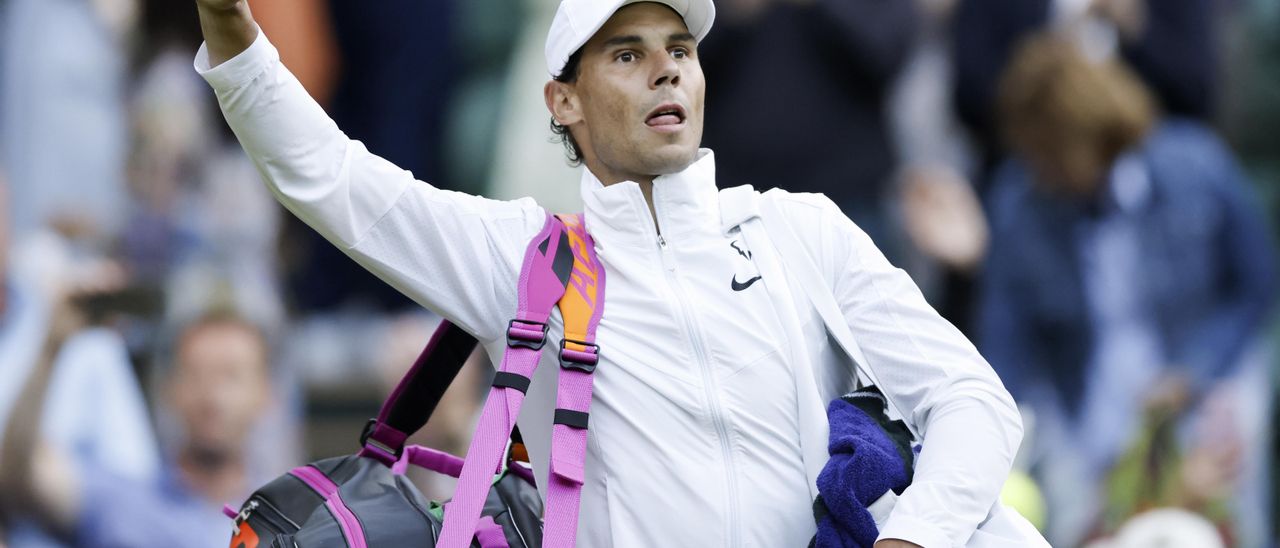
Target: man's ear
point(562, 101)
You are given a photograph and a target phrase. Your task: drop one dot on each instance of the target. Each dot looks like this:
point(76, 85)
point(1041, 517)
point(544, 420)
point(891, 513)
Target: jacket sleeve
point(969, 424)
point(456, 254)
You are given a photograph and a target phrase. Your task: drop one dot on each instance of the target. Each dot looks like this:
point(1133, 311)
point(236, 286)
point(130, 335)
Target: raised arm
point(456, 254)
point(37, 480)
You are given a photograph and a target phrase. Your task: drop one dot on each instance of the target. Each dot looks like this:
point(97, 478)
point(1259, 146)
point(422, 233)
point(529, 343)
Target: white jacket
point(701, 434)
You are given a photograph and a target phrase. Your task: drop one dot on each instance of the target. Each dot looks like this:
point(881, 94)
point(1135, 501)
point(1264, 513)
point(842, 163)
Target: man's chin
point(671, 159)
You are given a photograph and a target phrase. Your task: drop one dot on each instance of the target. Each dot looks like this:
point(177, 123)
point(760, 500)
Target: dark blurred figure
point(217, 388)
point(814, 77)
point(378, 88)
point(1129, 270)
point(1171, 44)
point(1252, 114)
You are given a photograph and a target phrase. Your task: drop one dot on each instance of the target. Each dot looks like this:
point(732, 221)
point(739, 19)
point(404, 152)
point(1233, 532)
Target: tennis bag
point(365, 501)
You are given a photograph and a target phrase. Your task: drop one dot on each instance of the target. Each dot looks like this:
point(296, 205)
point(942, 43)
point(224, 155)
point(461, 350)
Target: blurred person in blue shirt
point(217, 389)
point(94, 411)
point(1129, 267)
point(1172, 46)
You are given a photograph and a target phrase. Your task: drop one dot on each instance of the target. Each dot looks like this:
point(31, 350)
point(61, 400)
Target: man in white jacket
point(703, 432)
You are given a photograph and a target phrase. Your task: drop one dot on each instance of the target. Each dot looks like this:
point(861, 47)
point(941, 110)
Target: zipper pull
point(668, 262)
point(243, 516)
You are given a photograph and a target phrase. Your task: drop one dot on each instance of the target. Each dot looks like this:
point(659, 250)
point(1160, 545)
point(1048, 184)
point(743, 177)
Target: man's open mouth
point(666, 115)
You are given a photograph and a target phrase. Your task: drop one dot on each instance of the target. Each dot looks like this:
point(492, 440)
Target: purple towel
point(870, 455)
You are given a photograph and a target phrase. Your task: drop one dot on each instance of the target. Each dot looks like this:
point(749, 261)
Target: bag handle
point(430, 459)
point(408, 407)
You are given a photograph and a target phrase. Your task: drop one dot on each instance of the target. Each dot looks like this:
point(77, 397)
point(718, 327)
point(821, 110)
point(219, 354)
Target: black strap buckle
point(582, 360)
point(521, 335)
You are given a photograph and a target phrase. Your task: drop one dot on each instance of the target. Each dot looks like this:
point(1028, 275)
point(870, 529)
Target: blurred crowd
point(1085, 187)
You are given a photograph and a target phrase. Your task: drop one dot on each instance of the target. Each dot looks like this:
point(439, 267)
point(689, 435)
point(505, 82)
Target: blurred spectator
point(171, 139)
point(218, 386)
point(94, 411)
point(485, 47)
point(202, 224)
point(62, 113)
point(943, 221)
point(526, 161)
point(1128, 269)
point(1170, 43)
point(814, 76)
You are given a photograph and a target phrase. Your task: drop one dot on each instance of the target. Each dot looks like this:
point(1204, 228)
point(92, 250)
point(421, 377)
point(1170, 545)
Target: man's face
point(639, 95)
point(219, 385)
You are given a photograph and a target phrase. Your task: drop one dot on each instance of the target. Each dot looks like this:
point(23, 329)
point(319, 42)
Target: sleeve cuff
point(912, 529)
point(239, 70)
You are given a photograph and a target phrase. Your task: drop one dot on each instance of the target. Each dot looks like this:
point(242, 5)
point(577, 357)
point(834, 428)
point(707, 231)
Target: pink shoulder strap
point(543, 277)
point(581, 307)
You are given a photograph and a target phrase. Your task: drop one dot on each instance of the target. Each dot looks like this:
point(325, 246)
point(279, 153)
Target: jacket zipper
point(709, 385)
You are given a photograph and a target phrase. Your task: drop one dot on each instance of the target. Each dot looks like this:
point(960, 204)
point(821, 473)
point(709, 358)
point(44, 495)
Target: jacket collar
point(686, 203)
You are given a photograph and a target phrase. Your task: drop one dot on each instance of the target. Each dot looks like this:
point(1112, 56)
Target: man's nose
point(666, 72)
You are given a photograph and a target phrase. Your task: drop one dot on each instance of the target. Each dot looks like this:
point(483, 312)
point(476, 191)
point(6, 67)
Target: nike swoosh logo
point(741, 286)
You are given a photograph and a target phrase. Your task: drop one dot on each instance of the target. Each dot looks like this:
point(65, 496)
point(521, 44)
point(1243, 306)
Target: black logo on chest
point(752, 278)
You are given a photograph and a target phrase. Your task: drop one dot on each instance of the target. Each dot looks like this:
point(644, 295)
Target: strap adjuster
point(578, 359)
point(527, 334)
point(366, 439)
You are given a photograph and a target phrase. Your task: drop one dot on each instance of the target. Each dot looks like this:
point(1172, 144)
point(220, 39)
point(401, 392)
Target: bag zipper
point(259, 511)
point(352, 531)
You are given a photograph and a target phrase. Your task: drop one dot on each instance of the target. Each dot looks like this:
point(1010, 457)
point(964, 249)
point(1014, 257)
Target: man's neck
point(645, 182)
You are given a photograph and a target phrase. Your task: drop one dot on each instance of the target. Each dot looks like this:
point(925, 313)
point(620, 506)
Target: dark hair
point(1050, 86)
point(568, 75)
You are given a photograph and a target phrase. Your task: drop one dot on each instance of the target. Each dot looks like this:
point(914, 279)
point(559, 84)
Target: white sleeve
point(456, 254)
point(969, 424)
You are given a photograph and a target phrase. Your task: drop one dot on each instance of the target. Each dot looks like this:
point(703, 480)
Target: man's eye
point(626, 57)
point(679, 53)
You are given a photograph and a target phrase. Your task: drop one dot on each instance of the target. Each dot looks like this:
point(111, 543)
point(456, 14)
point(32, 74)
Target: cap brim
point(698, 16)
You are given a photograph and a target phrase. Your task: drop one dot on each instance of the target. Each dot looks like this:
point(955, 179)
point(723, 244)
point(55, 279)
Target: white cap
point(578, 20)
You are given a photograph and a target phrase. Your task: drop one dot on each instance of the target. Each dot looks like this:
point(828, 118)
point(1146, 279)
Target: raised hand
point(228, 28)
